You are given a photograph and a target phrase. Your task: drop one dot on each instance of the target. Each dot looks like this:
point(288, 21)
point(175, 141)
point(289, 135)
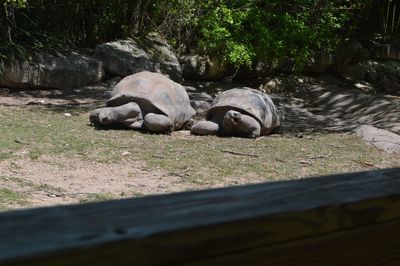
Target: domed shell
point(154, 92)
point(248, 101)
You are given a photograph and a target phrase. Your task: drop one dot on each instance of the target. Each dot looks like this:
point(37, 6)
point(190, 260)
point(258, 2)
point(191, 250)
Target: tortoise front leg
point(158, 123)
point(134, 123)
point(128, 114)
point(203, 128)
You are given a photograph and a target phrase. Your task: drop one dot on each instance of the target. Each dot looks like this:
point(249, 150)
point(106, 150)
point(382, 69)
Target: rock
point(365, 87)
point(271, 86)
point(352, 72)
point(347, 61)
point(51, 71)
point(319, 62)
point(193, 66)
point(125, 153)
point(196, 67)
point(123, 57)
point(390, 85)
point(130, 56)
point(380, 138)
point(350, 53)
point(386, 51)
point(384, 75)
point(200, 101)
point(164, 59)
point(200, 105)
point(113, 82)
point(258, 69)
point(203, 96)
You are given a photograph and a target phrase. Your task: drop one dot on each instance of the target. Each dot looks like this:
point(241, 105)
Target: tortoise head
point(102, 116)
point(231, 120)
point(237, 124)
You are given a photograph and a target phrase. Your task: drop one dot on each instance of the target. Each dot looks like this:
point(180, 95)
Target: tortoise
point(146, 101)
point(242, 112)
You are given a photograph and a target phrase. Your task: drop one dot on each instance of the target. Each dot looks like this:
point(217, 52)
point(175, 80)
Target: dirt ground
point(59, 180)
point(54, 180)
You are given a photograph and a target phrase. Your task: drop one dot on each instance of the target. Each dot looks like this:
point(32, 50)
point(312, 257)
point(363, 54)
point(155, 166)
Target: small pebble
point(125, 153)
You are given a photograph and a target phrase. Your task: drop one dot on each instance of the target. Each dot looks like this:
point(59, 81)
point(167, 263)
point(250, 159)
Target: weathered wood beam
point(343, 219)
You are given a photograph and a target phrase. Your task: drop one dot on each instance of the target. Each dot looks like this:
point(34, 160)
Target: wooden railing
point(348, 219)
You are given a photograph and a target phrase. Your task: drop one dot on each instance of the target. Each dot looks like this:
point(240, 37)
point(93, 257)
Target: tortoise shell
point(154, 93)
point(247, 101)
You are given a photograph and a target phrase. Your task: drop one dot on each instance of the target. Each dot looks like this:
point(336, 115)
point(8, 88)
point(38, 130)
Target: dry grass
point(32, 133)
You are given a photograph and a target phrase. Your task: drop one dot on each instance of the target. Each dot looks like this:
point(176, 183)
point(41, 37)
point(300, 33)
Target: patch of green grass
point(34, 132)
point(49, 188)
point(42, 132)
point(136, 194)
point(9, 198)
point(94, 197)
point(28, 184)
point(21, 182)
point(269, 158)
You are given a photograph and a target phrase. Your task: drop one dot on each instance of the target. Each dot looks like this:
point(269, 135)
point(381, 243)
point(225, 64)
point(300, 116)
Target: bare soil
point(58, 180)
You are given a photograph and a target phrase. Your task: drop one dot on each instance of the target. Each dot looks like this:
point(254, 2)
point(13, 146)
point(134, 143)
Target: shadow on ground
point(85, 98)
point(315, 107)
point(350, 108)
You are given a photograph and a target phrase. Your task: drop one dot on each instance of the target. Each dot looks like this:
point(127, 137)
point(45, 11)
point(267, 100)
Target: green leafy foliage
point(245, 31)
point(239, 32)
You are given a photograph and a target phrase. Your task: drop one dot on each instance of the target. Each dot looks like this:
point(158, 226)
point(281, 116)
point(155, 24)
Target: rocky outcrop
point(350, 53)
point(163, 57)
point(348, 61)
point(380, 138)
point(384, 75)
point(386, 52)
point(123, 57)
point(352, 72)
point(51, 71)
point(353, 62)
point(151, 53)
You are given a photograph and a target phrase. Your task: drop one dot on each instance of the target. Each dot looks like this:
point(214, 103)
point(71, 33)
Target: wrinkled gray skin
point(242, 112)
point(146, 101)
point(233, 123)
point(130, 115)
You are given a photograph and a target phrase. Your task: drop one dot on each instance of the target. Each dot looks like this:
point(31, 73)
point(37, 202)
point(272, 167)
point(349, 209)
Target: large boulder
point(380, 138)
point(384, 75)
point(123, 57)
point(386, 51)
point(52, 71)
point(130, 56)
point(350, 53)
point(164, 59)
point(348, 61)
point(352, 72)
point(196, 67)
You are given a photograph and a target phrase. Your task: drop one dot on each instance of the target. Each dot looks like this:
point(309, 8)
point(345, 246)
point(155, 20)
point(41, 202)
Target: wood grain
point(324, 219)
